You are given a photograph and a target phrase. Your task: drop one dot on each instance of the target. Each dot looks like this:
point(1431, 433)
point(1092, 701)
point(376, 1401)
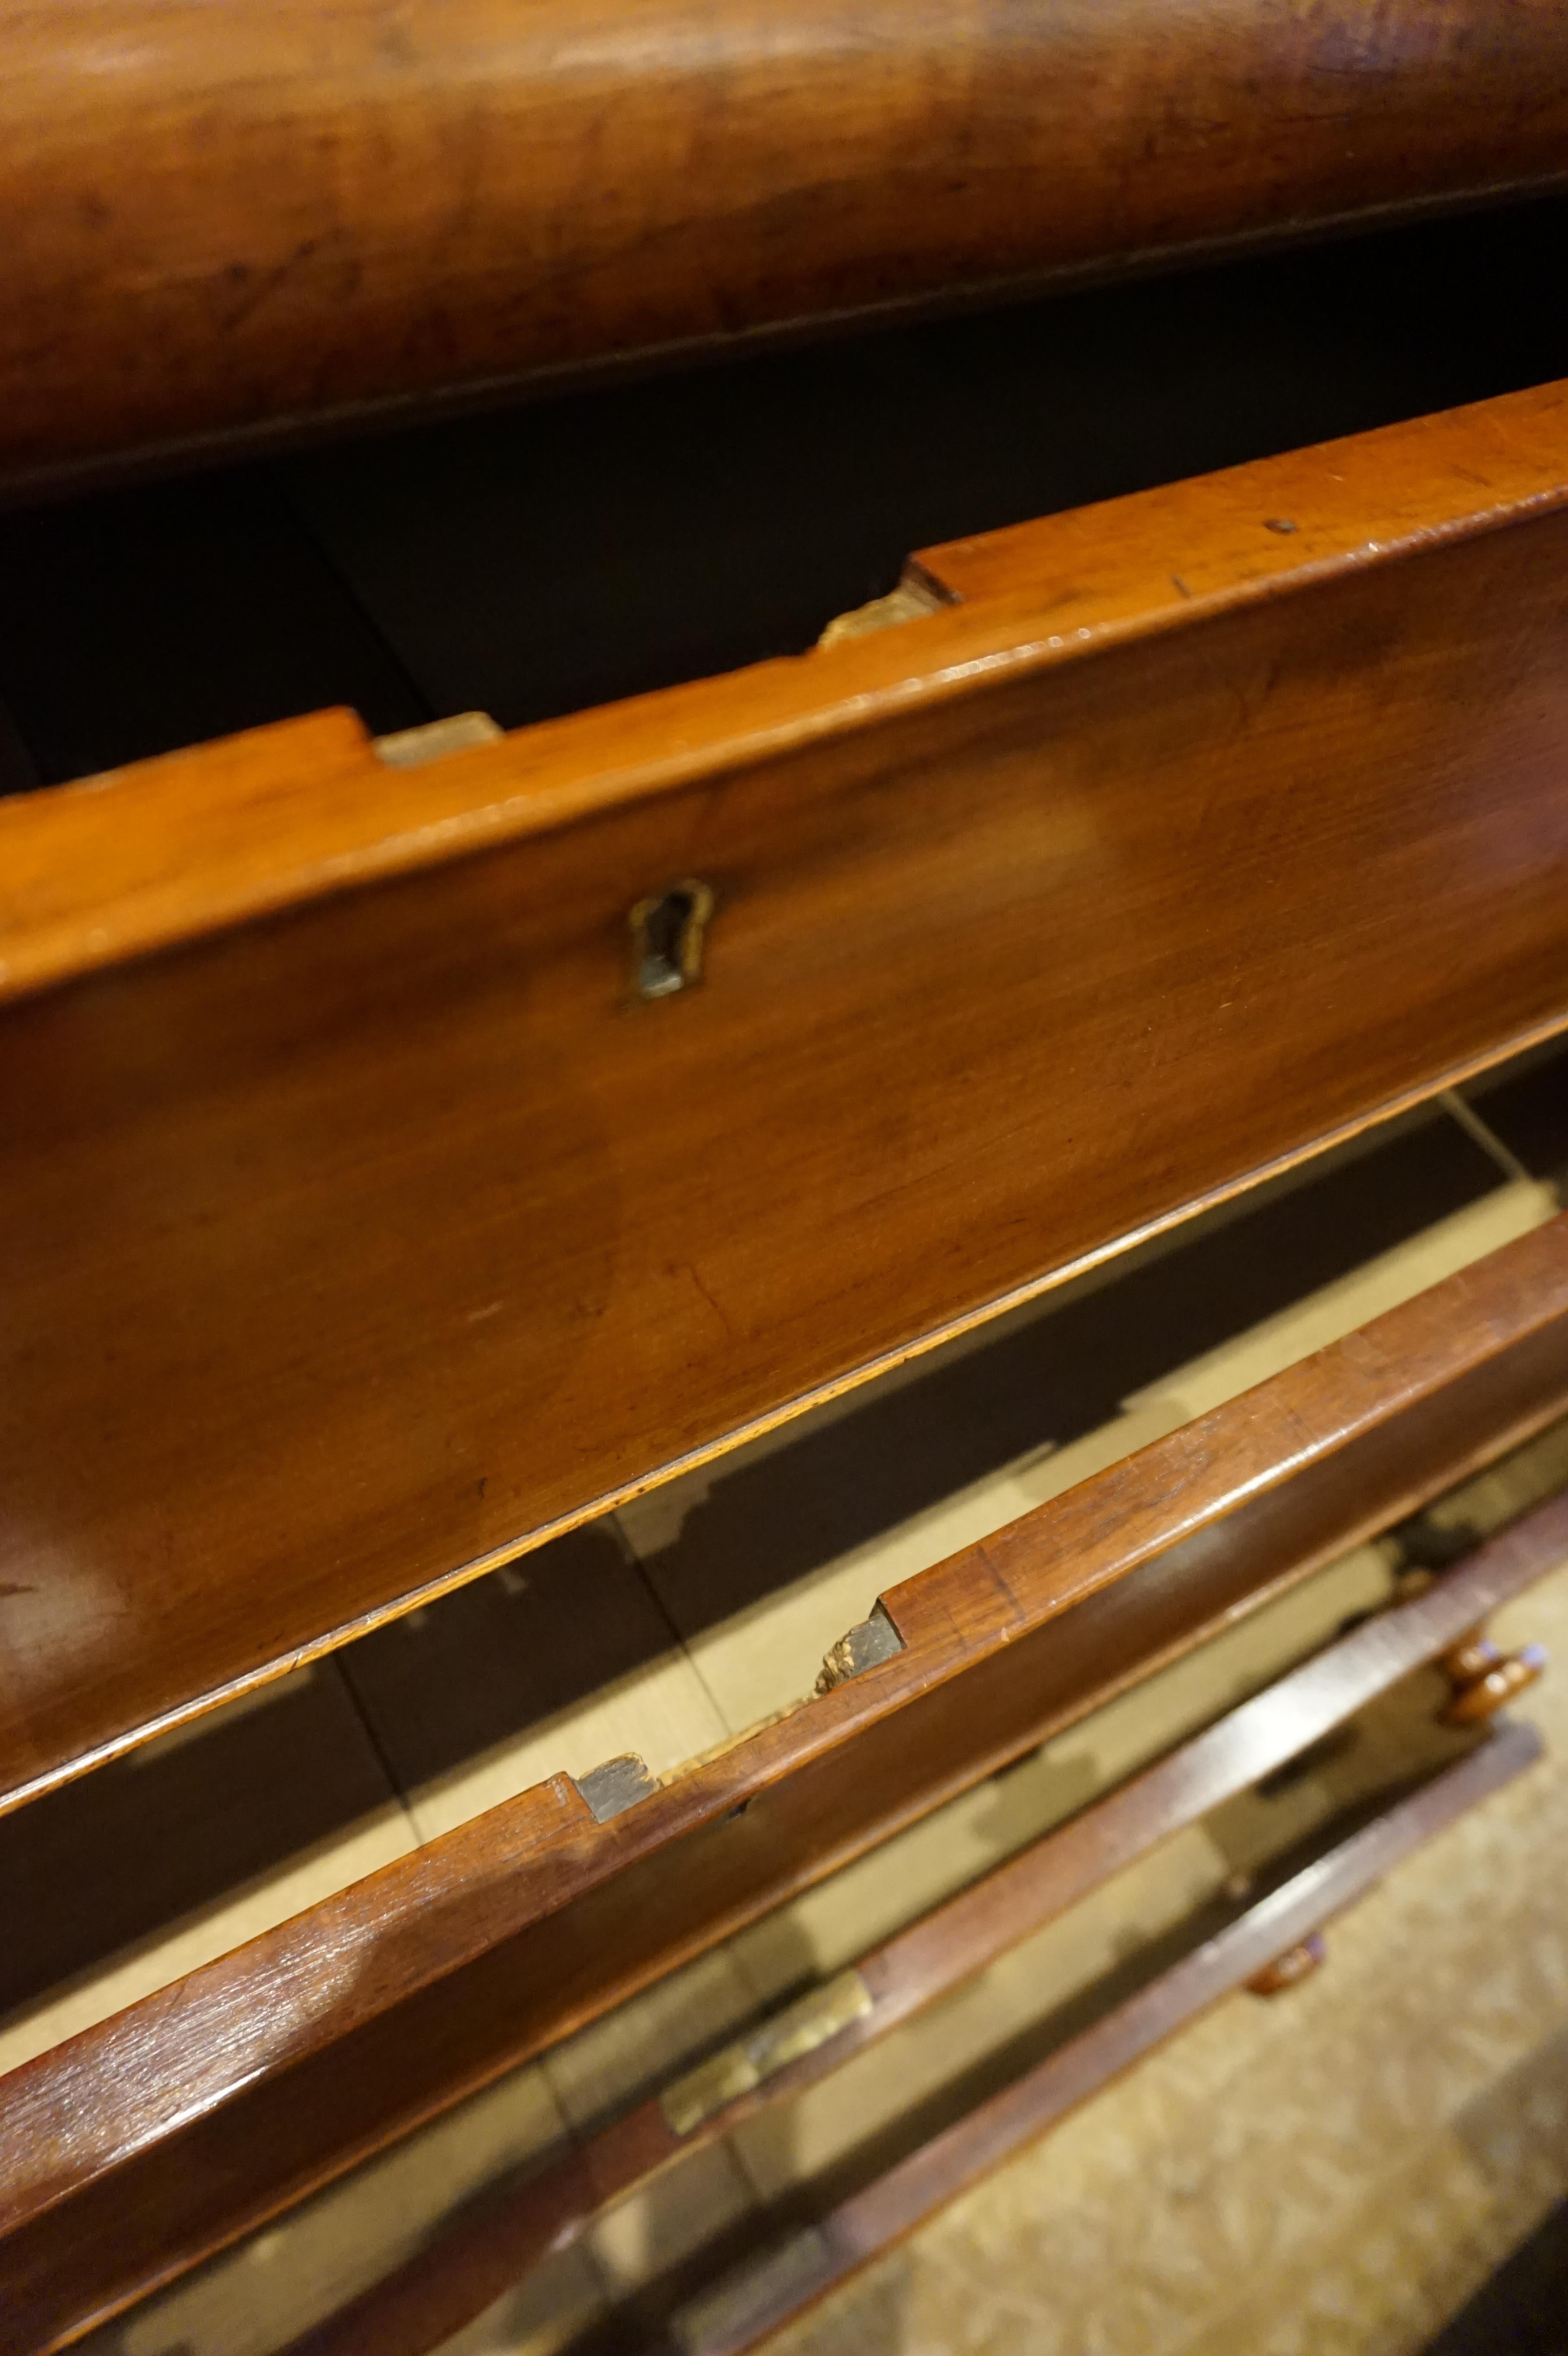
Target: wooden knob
point(1494, 1680)
point(1288, 1971)
point(1466, 1663)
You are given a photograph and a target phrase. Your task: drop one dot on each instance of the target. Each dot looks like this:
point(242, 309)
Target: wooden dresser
point(752, 753)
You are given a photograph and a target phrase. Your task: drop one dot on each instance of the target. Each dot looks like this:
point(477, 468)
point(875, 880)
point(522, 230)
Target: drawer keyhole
point(667, 937)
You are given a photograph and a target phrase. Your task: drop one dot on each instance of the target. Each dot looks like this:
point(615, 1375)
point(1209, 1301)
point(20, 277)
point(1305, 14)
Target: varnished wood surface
point(230, 217)
point(880, 2214)
point(458, 2273)
point(347, 1253)
point(191, 843)
point(141, 2146)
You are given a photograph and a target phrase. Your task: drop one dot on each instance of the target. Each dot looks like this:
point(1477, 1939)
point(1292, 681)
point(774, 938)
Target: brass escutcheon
point(666, 938)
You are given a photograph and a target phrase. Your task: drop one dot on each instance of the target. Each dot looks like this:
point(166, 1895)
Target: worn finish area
point(348, 1250)
point(223, 218)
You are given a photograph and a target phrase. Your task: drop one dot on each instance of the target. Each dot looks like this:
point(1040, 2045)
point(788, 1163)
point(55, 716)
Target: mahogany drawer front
point(162, 2134)
point(413, 1235)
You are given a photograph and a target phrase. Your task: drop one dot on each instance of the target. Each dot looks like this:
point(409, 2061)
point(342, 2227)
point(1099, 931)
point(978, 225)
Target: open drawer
point(378, 1204)
point(156, 2137)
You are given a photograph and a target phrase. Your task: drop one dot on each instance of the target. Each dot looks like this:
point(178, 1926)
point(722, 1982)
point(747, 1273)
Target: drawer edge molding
point(176, 848)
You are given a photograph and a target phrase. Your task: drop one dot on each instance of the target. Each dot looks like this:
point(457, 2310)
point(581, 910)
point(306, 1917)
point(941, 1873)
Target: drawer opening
point(586, 547)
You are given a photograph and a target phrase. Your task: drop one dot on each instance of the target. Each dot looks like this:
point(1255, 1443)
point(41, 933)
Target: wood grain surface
point(141, 2146)
point(496, 2241)
point(279, 816)
point(287, 208)
point(350, 1252)
point(880, 2214)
